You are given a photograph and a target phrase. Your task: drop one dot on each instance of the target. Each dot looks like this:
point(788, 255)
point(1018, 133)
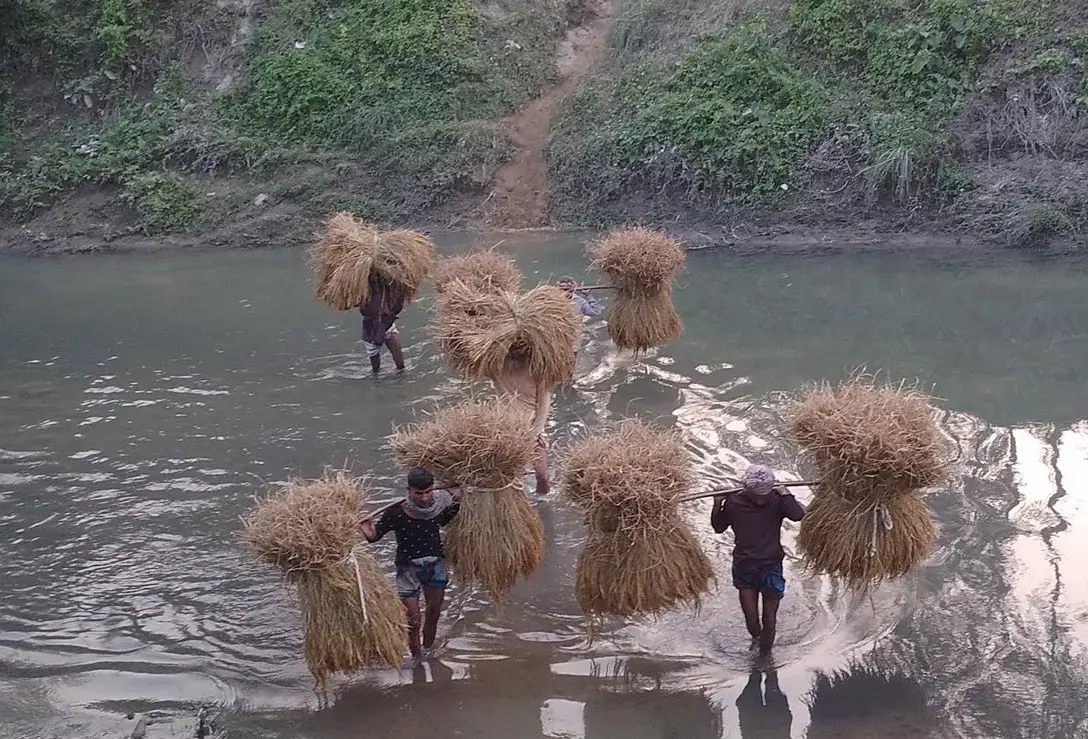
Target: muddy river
point(145, 399)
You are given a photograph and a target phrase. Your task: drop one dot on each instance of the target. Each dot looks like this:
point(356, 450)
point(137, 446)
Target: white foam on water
point(563, 719)
point(9, 454)
point(196, 391)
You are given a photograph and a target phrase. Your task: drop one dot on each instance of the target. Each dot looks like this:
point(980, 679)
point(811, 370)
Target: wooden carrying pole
point(385, 505)
point(731, 491)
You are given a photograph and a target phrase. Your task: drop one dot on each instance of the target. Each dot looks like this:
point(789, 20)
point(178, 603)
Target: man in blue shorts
point(756, 515)
point(420, 561)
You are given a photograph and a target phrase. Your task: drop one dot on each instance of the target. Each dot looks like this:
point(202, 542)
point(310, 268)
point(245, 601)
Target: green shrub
point(164, 200)
point(374, 68)
point(736, 117)
point(837, 89)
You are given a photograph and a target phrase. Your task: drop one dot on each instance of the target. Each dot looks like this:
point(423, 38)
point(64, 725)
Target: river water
point(145, 399)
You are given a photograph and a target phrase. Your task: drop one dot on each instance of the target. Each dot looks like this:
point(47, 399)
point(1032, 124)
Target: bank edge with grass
point(966, 115)
point(388, 109)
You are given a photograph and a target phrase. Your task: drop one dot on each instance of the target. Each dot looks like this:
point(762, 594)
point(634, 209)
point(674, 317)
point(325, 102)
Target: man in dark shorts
point(420, 561)
point(756, 515)
point(380, 323)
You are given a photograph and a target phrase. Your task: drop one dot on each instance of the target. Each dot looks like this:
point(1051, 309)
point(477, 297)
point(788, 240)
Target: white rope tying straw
point(515, 483)
point(359, 583)
point(881, 516)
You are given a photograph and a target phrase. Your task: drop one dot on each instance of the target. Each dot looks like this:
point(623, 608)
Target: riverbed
point(145, 399)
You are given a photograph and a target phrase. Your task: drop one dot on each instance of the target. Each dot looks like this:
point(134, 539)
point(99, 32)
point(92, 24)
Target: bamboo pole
point(731, 491)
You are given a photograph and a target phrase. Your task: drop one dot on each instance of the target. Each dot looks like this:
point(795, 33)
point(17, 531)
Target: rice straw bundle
point(480, 269)
point(871, 442)
point(850, 541)
point(640, 556)
point(641, 264)
point(351, 253)
point(496, 537)
point(404, 259)
point(352, 616)
point(341, 260)
point(877, 447)
point(480, 330)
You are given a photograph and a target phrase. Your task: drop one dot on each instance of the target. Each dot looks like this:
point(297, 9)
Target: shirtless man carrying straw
point(516, 383)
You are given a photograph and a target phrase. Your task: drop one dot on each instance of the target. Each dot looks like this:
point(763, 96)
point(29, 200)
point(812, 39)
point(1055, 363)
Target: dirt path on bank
point(519, 192)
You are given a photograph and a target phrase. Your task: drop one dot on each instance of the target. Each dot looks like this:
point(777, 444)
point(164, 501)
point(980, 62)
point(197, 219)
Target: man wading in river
point(756, 515)
point(515, 382)
point(584, 305)
point(380, 324)
point(420, 561)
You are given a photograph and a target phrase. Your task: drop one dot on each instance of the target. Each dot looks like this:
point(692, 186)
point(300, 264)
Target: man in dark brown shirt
point(380, 323)
point(756, 515)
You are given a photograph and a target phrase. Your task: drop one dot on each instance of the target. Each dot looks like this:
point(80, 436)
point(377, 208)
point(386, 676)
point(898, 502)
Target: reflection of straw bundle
point(496, 537)
point(863, 695)
point(352, 616)
point(351, 253)
point(480, 330)
point(640, 556)
point(876, 447)
point(482, 270)
point(641, 264)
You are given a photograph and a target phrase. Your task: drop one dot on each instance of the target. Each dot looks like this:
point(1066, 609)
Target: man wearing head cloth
point(584, 305)
point(756, 514)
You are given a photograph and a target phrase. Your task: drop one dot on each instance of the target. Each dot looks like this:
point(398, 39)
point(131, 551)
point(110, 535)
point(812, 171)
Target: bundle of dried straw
point(482, 270)
point(352, 616)
point(485, 447)
point(641, 264)
point(641, 557)
point(480, 330)
point(350, 253)
point(877, 447)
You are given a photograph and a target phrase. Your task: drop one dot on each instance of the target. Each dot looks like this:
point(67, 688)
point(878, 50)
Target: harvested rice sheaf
point(479, 331)
point(482, 270)
point(497, 537)
point(640, 557)
point(350, 254)
point(641, 264)
point(871, 441)
point(861, 544)
point(352, 617)
point(638, 260)
point(643, 322)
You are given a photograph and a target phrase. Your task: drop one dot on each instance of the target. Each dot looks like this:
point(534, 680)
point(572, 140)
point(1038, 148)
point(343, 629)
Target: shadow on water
point(133, 436)
point(763, 710)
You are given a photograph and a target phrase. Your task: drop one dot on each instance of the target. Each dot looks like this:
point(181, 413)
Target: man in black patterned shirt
point(421, 567)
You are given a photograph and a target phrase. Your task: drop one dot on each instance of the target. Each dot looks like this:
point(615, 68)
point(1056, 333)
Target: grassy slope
point(832, 110)
point(819, 111)
point(389, 109)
